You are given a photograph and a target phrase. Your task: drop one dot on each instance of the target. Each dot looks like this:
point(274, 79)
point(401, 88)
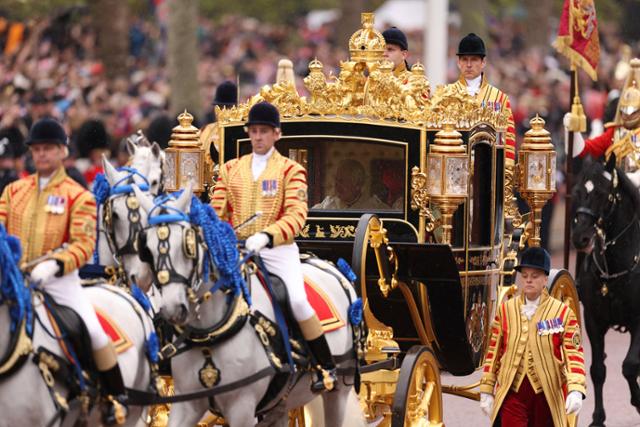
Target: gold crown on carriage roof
point(367, 44)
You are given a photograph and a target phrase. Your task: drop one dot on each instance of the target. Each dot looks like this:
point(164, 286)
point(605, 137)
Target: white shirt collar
point(473, 85)
point(259, 162)
point(534, 302)
point(43, 181)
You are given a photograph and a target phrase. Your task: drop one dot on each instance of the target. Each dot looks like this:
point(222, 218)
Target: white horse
point(115, 238)
point(185, 301)
point(25, 398)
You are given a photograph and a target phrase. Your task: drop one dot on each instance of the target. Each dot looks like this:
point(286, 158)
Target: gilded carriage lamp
point(185, 159)
point(537, 172)
point(448, 173)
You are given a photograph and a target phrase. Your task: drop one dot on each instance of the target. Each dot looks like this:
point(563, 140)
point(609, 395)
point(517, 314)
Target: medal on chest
point(55, 205)
point(550, 326)
point(269, 187)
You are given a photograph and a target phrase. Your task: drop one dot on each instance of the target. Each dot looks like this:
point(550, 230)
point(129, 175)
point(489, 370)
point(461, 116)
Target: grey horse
point(113, 236)
point(242, 354)
point(24, 396)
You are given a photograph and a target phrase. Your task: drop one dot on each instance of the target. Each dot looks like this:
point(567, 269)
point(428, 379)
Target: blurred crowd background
point(51, 65)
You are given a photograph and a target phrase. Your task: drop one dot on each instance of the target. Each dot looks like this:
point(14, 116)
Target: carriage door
point(480, 218)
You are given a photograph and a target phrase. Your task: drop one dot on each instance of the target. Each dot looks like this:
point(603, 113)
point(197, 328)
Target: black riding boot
point(115, 408)
point(327, 376)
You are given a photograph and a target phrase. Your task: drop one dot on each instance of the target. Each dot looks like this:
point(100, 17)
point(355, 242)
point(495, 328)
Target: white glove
point(486, 403)
point(574, 402)
point(578, 139)
point(566, 121)
point(44, 271)
point(257, 242)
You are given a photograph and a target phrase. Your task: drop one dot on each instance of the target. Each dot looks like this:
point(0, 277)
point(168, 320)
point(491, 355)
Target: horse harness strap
point(19, 348)
point(144, 398)
point(603, 270)
point(163, 268)
point(233, 320)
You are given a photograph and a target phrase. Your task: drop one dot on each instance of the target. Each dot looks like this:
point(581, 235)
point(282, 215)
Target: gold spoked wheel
point(563, 287)
point(418, 398)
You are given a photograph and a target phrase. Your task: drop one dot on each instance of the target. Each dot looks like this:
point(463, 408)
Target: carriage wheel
point(563, 287)
point(418, 398)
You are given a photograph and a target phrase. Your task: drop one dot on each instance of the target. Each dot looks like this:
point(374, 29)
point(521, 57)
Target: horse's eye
point(154, 183)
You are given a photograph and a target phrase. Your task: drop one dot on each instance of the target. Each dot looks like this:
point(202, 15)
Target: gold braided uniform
point(553, 362)
point(280, 193)
point(23, 211)
point(402, 72)
point(491, 97)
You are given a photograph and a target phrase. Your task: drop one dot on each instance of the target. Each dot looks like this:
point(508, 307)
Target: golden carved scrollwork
point(420, 197)
point(510, 205)
point(452, 103)
point(342, 231)
point(366, 86)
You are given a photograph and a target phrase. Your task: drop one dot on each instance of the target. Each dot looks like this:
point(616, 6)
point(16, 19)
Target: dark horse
point(607, 227)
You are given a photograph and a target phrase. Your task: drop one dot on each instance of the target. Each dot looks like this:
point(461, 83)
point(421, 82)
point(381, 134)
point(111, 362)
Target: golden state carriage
point(416, 189)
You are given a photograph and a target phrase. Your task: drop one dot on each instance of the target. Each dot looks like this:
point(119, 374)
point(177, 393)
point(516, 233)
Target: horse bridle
point(123, 188)
point(599, 221)
point(192, 246)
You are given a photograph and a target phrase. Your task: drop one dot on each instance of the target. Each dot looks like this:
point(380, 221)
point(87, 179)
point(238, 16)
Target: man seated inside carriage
point(268, 182)
point(46, 210)
point(534, 368)
point(349, 190)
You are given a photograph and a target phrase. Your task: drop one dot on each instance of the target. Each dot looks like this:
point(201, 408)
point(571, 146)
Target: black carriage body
point(449, 288)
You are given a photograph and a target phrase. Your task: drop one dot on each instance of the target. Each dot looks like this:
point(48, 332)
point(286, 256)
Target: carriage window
point(480, 195)
point(349, 174)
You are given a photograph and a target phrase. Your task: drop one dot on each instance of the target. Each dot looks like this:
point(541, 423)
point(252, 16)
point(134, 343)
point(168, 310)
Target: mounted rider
point(46, 210)
point(268, 182)
point(622, 136)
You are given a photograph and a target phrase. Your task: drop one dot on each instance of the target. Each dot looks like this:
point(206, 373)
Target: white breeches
point(284, 262)
point(67, 290)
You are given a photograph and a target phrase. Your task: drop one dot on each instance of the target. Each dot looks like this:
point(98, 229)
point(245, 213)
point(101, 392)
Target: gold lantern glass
point(448, 175)
point(537, 172)
point(184, 159)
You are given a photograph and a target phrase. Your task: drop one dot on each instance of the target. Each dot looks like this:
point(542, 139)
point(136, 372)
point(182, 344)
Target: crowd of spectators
point(58, 73)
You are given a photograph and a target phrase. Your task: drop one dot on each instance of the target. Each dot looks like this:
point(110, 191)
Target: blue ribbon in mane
point(12, 287)
point(218, 235)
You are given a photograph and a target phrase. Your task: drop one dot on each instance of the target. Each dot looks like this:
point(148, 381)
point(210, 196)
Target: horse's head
point(172, 246)
point(123, 220)
point(595, 195)
point(148, 159)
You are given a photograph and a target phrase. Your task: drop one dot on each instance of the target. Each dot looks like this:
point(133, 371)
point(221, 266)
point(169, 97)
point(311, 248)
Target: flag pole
point(569, 171)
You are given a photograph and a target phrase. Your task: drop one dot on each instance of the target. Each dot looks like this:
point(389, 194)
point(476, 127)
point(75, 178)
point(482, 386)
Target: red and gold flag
point(578, 35)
